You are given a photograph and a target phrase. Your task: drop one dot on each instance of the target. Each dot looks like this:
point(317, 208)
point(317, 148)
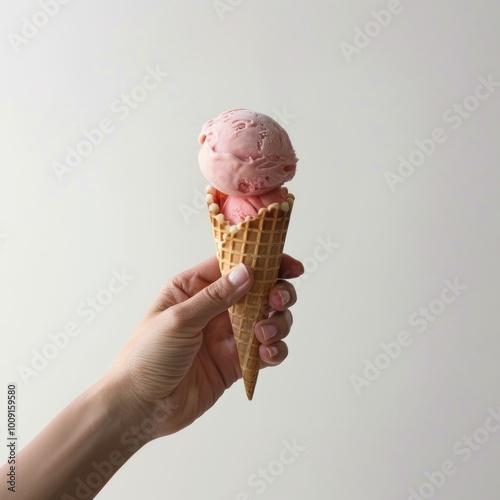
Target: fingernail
point(284, 296)
point(239, 275)
point(272, 351)
point(268, 332)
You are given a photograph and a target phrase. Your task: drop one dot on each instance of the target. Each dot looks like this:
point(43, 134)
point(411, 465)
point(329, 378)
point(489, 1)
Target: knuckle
point(167, 292)
point(215, 292)
point(172, 292)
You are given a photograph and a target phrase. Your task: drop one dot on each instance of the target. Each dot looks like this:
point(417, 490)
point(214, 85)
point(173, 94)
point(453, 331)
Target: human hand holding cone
point(247, 156)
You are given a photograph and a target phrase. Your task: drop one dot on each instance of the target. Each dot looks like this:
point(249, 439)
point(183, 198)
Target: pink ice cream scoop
point(247, 156)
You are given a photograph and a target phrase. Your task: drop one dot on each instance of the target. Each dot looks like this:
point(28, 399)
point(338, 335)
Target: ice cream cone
point(257, 242)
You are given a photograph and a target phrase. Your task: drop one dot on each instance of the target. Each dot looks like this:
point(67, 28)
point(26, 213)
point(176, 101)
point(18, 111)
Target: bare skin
point(176, 365)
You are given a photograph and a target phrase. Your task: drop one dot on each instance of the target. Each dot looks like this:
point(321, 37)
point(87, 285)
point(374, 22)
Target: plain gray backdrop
point(393, 109)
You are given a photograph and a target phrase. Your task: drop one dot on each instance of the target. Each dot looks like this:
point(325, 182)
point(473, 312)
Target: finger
point(290, 267)
point(194, 313)
point(274, 354)
point(277, 327)
point(282, 296)
point(208, 270)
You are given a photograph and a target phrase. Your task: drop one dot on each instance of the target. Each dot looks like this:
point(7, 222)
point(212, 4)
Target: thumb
point(216, 298)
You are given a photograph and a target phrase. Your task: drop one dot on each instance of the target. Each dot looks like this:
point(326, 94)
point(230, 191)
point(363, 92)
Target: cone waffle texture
point(257, 242)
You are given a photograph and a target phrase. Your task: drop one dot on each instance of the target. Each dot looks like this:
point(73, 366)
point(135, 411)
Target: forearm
point(80, 449)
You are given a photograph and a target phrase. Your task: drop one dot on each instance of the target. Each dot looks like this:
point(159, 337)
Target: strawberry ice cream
point(248, 157)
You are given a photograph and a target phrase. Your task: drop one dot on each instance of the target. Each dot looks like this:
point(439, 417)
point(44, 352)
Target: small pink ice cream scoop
point(247, 156)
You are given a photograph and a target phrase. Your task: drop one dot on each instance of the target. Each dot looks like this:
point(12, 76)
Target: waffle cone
point(257, 242)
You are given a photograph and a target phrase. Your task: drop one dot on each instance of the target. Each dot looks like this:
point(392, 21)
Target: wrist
point(125, 416)
point(144, 416)
point(81, 448)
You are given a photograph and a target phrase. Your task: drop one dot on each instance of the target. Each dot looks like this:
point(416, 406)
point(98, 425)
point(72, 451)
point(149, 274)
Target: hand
point(177, 364)
point(184, 355)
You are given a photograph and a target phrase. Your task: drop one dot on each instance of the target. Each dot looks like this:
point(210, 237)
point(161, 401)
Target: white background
point(349, 118)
